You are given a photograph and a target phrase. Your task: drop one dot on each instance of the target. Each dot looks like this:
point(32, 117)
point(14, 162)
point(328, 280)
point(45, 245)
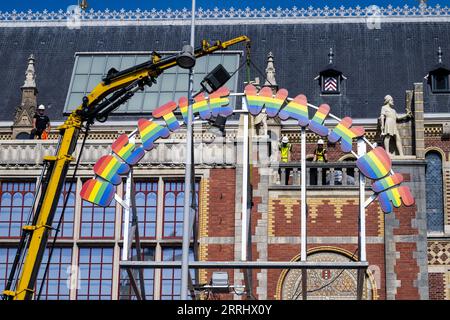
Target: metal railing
point(169, 152)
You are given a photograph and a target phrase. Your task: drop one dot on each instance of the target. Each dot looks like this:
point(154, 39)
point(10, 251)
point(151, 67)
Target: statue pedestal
point(400, 158)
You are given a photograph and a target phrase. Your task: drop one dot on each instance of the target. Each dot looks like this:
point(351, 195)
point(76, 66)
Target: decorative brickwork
point(447, 197)
point(437, 283)
point(439, 253)
point(203, 225)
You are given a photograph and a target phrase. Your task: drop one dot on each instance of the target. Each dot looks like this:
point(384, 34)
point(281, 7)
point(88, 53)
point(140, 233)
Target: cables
point(66, 200)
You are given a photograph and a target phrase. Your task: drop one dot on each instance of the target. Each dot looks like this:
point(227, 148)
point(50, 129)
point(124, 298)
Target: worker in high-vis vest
point(320, 154)
point(285, 151)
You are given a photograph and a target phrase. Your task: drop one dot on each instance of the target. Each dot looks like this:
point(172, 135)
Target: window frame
point(430, 231)
point(101, 279)
point(324, 76)
point(142, 224)
point(446, 75)
point(69, 105)
point(87, 206)
point(31, 184)
point(63, 274)
point(65, 222)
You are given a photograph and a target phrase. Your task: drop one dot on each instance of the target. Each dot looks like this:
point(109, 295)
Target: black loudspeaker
point(219, 122)
point(215, 79)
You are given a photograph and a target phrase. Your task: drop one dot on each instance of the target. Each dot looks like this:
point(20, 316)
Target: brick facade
point(396, 259)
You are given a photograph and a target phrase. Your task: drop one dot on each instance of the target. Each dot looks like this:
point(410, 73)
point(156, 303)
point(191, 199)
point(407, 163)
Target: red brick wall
point(436, 286)
point(222, 201)
point(220, 252)
point(221, 220)
point(437, 142)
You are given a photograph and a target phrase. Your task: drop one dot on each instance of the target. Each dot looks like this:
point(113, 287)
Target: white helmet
point(320, 141)
point(285, 139)
point(41, 107)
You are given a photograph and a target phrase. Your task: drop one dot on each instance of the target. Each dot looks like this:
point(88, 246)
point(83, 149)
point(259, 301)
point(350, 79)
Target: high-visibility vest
point(320, 155)
point(285, 152)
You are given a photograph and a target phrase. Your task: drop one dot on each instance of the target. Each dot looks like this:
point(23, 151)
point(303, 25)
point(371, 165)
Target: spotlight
point(215, 79)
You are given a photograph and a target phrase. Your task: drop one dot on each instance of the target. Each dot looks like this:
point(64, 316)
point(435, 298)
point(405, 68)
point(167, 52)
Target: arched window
point(434, 194)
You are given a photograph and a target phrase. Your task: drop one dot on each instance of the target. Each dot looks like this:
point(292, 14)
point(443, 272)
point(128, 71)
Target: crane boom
point(94, 106)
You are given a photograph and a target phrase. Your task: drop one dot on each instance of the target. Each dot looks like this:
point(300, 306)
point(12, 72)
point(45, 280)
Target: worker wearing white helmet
point(41, 124)
point(285, 150)
point(320, 154)
point(285, 147)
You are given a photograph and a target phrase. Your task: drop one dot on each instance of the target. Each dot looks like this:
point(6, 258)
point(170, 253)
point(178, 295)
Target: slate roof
point(376, 62)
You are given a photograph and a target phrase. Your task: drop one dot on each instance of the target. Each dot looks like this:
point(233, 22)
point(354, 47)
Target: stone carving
point(262, 119)
point(30, 74)
point(24, 113)
point(325, 284)
point(388, 122)
point(270, 72)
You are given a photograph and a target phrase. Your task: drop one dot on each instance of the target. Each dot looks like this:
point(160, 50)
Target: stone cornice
point(263, 15)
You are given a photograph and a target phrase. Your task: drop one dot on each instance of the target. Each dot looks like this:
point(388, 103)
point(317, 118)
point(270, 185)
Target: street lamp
point(186, 58)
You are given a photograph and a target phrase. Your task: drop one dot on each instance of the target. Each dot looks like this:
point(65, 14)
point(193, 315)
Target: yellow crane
point(121, 85)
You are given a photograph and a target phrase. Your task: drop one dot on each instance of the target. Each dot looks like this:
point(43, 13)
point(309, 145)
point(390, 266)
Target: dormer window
point(330, 84)
point(330, 77)
point(439, 77)
point(440, 81)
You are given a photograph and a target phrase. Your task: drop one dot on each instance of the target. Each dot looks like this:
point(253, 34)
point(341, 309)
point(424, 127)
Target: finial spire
point(30, 74)
point(331, 56)
point(270, 72)
point(439, 52)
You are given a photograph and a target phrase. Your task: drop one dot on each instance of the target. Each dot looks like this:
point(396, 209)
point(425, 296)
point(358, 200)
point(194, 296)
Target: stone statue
point(388, 120)
point(261, 124)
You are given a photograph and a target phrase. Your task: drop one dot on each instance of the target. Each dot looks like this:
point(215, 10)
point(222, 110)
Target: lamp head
point(186, 58)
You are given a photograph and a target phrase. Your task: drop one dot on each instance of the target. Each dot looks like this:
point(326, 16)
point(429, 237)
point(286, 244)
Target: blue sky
point(39, 5)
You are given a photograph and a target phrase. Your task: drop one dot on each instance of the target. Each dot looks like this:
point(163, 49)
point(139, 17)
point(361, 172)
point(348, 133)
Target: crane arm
point(96, 105)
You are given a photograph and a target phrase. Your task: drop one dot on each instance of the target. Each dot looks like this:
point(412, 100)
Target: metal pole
point(244, 216)
point(361, 145)
point(303, 196)
point(362, 209)
point(188, 176)
point(303, 212)
point(127, 213)
point(246, 264)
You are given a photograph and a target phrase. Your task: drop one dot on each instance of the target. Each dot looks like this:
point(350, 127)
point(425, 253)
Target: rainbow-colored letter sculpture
point(98, 192)
point(346, 133)
point(375, 165)
point(264, 99)
point(296, 109)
